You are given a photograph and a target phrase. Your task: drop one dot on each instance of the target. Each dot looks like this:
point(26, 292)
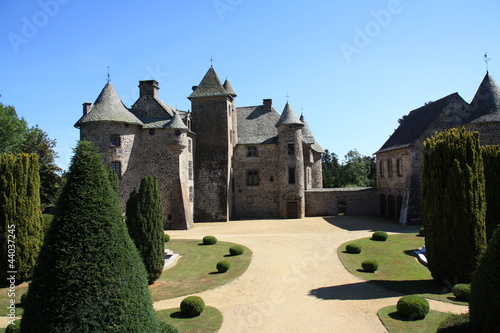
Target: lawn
point(397, 324)
point(398, 268)
point(195, 270)
point(210, 320)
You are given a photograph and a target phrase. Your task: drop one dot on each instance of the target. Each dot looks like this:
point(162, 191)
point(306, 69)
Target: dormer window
point(115, 140)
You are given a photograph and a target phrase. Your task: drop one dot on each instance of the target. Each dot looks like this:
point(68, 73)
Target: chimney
point(268, 105)
point(86, 108)
point(148, 88)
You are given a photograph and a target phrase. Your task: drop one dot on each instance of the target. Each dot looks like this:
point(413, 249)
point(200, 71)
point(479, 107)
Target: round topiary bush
point(353, 248)
point(166, 238)
point(209, 240)
point(421, 233)
point(236, 250)
point(14, 328)
point(164, 327)
point(192, 306)
point(462, 291)
point(370, 265)
point(223, 266)
point(380, 236)
point(413, 307)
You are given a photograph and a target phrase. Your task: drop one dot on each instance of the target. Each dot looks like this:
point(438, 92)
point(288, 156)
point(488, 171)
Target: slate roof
point(256, 126)
point(416, 123)
point(485, 105)
point(227, 86)
point(209, 86)
point(288, 117)
point(108, 107)
point(308, 136)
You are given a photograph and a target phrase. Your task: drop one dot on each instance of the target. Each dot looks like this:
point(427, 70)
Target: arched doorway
point(399, 204)
point(383, 205)
point(391, 207)
point(292, 206)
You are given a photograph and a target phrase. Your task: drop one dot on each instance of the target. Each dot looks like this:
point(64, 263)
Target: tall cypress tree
point(453, 204)
point(145, 224)
point(20, 215)
point(89, 276)
point(491, 158)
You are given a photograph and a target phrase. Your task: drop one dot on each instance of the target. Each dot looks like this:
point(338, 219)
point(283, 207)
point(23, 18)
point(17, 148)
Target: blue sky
point(352, 67)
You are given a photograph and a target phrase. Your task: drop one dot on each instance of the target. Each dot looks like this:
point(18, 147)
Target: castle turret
point(214, 122)
point(291, 165)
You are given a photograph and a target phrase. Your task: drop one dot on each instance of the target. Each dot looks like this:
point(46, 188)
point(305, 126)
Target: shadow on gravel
point(370, 223)
point(353, 291)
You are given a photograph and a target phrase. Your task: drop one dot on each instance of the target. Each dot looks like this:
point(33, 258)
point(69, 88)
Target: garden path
point(296, 282)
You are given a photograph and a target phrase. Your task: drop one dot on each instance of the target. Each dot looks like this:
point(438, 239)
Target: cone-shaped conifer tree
point(145, 224)
point(20, 216)
point(89, 277)
point(491, 158)
point(453, 204)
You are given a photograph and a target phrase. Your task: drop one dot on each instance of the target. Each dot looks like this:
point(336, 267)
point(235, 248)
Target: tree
point(20, 215)
point(89, 276)
point(145, 225)
point(330, 165)
point(491, 159)
point(453, 204)
point(355, 170)
point(485, 298)
point(38, 142)
point(12, 130)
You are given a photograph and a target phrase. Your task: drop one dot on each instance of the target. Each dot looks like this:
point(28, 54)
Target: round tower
point(291, 165)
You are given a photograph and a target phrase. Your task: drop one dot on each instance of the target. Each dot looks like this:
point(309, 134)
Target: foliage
point(164, 327)
point(355, 170)
point(353, 248)
point(145, 225)
point(47, 221)
point(394, 323)
point(330, 166)
point(370, 265)
point(24, 298)
point(462, 291)
point(485, 298)
point(491, 160)
point(413, 307)
point(421, 232)
point(456, 323)
point(166, 238)
point(21, 219)
point(209, 240)
point(236, 250)
point(453, 204)
point(14, 328)
point(223, 266)
point(89, 275)
point(12, 130)
point(209, 321)
point(192, 306)
point(380, 236)
point(113, 179)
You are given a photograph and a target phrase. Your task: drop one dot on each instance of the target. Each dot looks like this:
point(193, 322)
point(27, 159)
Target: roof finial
point(109, 78)
point(287, 96)
point(211, 61)
point(486, 60)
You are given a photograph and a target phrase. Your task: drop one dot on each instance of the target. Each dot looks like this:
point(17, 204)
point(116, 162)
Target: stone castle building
point(399, 160)
point(215, 163)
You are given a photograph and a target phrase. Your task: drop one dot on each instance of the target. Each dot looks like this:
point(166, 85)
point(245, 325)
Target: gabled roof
point(209, 86)
point(308, 136)
point(256, 125)
point(485, 105)
point(416, 123)
point(229, 88)
point(108, 108)
point(288, 117)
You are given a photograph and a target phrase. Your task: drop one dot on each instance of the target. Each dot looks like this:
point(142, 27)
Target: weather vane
point(486, 60)
point(211, 61)
point(109, 78)
point(287, 96)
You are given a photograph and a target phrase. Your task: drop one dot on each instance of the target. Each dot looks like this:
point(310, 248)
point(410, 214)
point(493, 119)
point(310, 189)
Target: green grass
point(398, 268)
point(196, 270)
point(397, 324)
point(210, 320)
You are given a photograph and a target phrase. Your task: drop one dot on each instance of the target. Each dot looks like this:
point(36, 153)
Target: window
point(190, 145)
point(291, 175)
point(115, 140)
point(252, 151)
point(291, 149)
point(381, 164)
point(389, 168)
point(399, 167)
point(191, 194)
point(117, 168)
point(151, 132)
point(190, 170)
point(252, 178)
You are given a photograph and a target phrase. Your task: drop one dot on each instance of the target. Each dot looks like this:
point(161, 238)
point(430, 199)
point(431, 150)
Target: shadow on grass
point(179, 315)
point(215, 273)
point(396, 316)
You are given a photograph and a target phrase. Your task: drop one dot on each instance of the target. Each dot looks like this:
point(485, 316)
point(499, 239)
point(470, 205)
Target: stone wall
point(358, 201)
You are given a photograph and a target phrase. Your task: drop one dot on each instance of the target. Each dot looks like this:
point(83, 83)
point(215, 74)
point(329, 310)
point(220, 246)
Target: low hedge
point(413, 307)
point(209, 240)
point(380, 236)
point(353, 248)
point(370, 265)
point(166, 238)
point(192, 306)
point(421, 232)
point(462, 291)
point(456, 323)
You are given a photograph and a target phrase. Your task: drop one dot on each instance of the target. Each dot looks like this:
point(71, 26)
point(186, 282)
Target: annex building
point(214, 163)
